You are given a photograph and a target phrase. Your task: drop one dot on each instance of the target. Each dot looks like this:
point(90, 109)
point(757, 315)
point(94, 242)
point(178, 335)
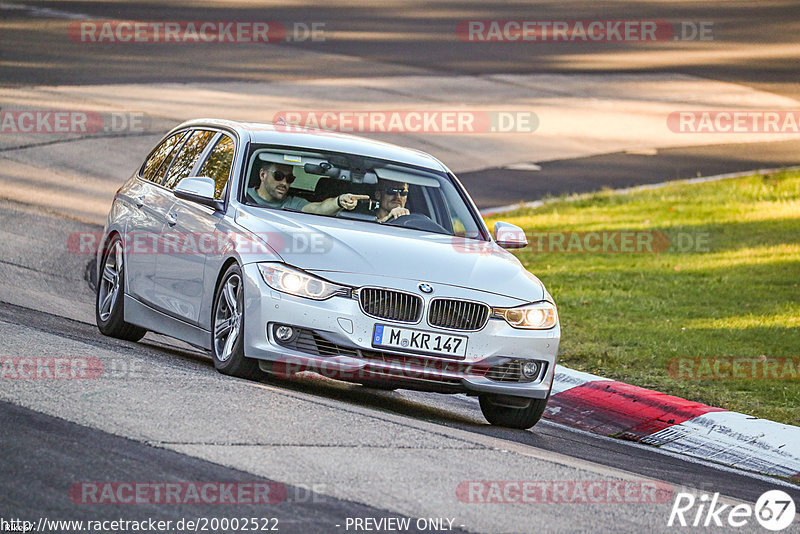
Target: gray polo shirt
point(289, 201)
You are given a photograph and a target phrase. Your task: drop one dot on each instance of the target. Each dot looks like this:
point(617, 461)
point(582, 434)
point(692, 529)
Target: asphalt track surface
point(45, 450)
point(45, 455)
point(501, 186)
point(95, 456)
point(752, 43)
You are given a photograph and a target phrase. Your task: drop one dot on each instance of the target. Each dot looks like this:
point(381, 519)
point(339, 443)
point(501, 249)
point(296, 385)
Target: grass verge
point(714, 298)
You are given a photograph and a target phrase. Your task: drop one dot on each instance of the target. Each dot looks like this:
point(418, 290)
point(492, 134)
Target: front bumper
point(338, 344)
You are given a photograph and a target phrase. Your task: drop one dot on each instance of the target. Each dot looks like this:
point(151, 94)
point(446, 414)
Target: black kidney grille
point(458, 314)
point(391, 305)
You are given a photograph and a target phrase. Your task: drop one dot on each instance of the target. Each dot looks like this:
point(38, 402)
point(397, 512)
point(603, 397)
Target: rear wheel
point(512, 412)
point(110, 296)
point(227, 345)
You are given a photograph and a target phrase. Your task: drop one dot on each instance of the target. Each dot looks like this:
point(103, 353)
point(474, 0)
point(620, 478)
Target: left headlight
point(286, 279)
point(538, 316)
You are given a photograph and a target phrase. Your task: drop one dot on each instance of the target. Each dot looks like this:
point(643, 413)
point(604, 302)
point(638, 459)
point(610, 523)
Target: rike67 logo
point(774, 510)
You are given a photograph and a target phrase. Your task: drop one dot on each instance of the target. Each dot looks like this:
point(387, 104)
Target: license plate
point(411, 340)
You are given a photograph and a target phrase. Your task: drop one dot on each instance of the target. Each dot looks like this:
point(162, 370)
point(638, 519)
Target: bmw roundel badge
point(426, 288)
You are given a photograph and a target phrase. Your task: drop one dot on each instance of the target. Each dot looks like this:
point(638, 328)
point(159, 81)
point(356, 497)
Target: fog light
point(530, 369)
point(284, 333)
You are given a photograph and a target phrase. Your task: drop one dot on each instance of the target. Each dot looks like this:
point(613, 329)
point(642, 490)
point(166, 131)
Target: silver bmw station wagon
point(287, 251)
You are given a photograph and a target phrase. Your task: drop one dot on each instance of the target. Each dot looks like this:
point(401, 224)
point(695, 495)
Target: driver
point(391, 197)
point(276, 178)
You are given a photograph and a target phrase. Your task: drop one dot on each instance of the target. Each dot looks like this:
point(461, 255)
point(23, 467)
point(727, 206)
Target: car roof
point(309, 138)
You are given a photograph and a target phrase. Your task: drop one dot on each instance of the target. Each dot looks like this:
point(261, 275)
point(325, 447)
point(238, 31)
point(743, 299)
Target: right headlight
point(538, 316)
point(286, 279)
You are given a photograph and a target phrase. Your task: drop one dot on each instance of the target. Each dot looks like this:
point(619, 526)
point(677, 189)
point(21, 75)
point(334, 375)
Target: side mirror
point(198, 189)
point(509, 236)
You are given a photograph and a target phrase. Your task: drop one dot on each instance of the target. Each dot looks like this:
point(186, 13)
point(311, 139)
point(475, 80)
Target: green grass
point(626, 315)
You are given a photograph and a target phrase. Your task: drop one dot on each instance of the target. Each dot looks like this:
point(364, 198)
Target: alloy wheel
point(110, 281)
point(228, 318)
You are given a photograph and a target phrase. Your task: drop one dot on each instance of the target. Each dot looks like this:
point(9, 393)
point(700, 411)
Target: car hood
point(338, 248)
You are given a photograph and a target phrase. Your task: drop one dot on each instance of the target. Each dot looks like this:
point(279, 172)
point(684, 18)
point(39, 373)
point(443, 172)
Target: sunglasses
point(279, 177)
point(396, 191)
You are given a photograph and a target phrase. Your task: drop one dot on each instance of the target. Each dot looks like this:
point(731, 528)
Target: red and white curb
point(615, 409)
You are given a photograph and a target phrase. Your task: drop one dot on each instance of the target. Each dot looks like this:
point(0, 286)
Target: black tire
point(230, 360)
point(109, 303)
point(512, 412)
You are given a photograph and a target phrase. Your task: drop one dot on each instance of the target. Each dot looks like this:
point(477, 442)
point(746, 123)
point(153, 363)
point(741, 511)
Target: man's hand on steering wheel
point(394, 214)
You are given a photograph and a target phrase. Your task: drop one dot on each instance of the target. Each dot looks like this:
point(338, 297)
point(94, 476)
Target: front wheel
point(227, 347)
point(512, 412)
point(110, 297)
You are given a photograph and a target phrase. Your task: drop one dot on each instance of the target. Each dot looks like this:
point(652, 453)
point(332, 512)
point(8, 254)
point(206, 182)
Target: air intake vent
point(391, 305)
point(508, 372)
point(511, 371)
point(458, 314)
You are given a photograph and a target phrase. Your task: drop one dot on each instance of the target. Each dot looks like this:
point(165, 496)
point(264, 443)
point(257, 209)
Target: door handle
point(172, 219)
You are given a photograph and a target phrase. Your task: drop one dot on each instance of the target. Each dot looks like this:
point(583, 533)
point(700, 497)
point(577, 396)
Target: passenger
point(391, 197)
point(276, 178)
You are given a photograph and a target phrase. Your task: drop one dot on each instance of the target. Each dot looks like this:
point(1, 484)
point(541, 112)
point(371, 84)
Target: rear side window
point(158, 161)
point(218, 165)
point(184, 162)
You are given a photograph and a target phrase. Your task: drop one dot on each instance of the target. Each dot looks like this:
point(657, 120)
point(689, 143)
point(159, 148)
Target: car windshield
point(381, 192)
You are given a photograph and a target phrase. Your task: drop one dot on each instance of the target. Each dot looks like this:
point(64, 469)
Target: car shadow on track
point(454, 411)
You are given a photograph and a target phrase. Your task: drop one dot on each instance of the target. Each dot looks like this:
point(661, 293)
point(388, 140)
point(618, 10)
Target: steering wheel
point(417, 221)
